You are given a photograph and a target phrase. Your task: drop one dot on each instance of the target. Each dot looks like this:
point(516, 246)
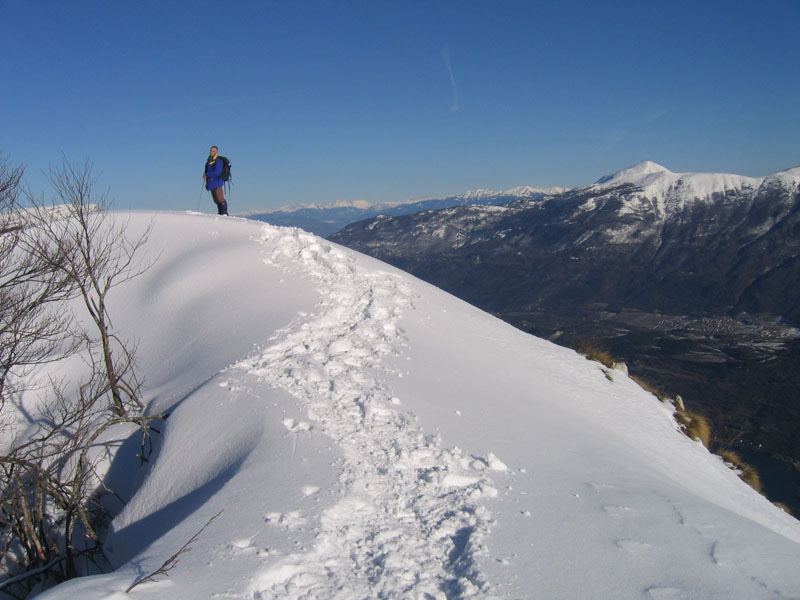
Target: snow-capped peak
point(673, 191)
point(634, 174)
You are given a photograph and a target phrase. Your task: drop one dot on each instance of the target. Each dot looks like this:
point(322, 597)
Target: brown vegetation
point(594, 352)
point(695, 426)
point(746, 472)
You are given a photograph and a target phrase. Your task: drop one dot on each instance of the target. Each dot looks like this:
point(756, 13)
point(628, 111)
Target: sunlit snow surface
point(369, 436)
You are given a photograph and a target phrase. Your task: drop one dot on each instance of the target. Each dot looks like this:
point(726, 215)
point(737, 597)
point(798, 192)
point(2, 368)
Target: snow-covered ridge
point(522, 191)
point(787, 177)
point(657, 180)
point(674, 191)
point(369, 435)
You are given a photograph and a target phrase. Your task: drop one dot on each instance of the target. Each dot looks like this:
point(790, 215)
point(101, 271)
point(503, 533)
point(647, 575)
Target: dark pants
point(219, 199)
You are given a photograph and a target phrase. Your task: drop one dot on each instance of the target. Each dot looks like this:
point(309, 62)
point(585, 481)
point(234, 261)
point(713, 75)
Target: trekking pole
point(200, 199)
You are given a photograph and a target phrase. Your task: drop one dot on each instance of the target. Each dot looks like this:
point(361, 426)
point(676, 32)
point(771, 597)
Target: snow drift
point(367, 435)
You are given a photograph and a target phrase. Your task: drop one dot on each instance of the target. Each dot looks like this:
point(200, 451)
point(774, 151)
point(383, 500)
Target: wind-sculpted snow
point(408, 522)
point(361, 434)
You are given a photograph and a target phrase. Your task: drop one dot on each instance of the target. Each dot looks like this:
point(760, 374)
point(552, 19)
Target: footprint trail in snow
point(410, 521)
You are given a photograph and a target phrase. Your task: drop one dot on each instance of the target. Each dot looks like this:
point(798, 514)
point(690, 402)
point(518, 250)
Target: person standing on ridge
point(213, 178)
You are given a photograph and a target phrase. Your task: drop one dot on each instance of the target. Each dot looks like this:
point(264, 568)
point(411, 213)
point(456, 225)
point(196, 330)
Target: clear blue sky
point(387, 101)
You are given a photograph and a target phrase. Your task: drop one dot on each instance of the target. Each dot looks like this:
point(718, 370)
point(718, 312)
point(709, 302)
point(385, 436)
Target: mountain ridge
point(325, 219)
point(673, 191)
point(645, 195)
point(479, 193)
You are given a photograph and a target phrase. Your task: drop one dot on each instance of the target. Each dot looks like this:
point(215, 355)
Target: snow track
point(409, 522)
point(323, 399)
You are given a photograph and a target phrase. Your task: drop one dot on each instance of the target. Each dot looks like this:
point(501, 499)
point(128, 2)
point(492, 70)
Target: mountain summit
point(673, 191)
point(634, 174)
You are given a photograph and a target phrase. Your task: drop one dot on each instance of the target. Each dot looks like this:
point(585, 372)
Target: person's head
point(213, 151)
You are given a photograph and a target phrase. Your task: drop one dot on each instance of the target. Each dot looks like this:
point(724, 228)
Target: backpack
point(226, 168)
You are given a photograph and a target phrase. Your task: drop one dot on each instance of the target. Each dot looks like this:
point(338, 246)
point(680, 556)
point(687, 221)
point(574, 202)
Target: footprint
point(667, 593)
point(617, 511)
point(597, 487)
point(242, 543)
point(296, 427)
point(290, 520)
point(633, 546)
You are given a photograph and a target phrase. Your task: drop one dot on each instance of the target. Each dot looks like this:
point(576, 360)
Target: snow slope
point(369, 436)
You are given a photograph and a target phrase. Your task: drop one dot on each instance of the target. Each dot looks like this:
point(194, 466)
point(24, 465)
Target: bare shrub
point(50, 487)
point(33, 327)
point(95, 255)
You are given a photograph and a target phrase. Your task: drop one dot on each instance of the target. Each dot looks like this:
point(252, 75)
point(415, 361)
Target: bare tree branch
point(173, 560)
point(50, 483)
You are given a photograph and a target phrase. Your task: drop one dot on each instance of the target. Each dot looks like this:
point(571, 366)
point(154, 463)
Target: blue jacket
point(213, 173)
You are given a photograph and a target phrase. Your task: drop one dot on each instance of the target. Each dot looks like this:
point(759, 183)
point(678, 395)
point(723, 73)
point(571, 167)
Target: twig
point(27, 574)
point(172, 561)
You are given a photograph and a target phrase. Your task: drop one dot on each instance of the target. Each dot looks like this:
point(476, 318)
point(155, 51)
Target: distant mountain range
point(325, 219)
point(691, 277)
point(643, 238)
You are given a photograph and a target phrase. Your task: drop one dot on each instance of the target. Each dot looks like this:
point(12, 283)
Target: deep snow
point(369, 436)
